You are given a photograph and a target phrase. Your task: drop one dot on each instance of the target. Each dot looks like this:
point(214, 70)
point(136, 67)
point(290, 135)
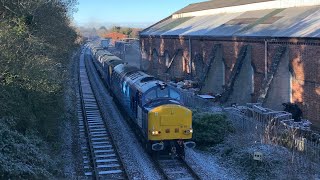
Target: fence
point(277, 128)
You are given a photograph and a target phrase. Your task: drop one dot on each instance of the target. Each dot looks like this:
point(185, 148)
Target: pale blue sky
point(126, 12)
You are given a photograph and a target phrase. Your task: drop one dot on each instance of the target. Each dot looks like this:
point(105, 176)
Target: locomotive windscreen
point(158, 93)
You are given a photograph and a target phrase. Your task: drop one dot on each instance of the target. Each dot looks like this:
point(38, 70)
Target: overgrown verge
point(22, 156)
point(277, 162)
point(210, 128)
point(37, 42)
point(235, 148)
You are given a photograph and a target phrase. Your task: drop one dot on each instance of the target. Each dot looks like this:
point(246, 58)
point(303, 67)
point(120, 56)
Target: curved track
point(100, 157)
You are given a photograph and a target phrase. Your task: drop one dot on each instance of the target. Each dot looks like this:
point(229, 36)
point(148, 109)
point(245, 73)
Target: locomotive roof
point(136, 78)
point(145, 86)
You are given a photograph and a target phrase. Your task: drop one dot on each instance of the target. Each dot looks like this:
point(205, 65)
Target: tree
point(36, 44)
point(116, 29)
point(126, 31)
point(103, 28)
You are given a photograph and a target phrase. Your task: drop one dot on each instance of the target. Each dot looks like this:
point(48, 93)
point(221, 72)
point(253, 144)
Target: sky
point(132, 13)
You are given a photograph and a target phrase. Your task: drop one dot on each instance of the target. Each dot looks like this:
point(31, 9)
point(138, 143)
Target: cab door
point(134, 104)
point(140, 113)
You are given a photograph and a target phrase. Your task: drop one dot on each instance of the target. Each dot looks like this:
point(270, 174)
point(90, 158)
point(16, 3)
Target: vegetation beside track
point(37, 42)
point(210, 128)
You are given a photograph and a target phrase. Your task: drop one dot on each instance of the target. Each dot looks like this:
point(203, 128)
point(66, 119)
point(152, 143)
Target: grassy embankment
point(37, 42)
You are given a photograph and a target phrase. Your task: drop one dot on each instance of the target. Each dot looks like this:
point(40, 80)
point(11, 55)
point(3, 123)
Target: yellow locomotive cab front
point(169, 122)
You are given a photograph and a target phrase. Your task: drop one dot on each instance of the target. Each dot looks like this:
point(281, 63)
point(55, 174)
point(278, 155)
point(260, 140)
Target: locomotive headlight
point(188, 131)
point(155, 133)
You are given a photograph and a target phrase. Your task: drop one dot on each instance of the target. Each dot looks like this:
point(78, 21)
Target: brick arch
point(198, 67)
point(252, 71)
point(155, 61)
point(167, 58)
point(176, 68)
point(145, 63)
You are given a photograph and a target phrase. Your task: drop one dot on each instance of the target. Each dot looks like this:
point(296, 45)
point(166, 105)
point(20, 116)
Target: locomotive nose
point(170, 122)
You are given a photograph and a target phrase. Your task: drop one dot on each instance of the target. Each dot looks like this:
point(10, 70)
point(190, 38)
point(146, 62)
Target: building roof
point(115, 34)
point(213, 4)
point(278, 22)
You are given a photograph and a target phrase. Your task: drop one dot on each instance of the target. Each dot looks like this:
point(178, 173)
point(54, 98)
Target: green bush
point(210, 129)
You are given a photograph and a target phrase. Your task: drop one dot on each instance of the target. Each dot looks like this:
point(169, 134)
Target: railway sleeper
point(100, 139)
point(102, 146)
point(101, 142)
point(99, 135)
point(106, 160)
point(98, 132)
point(111, 172)
point(108, 165)
point(104, 151)
point(97, 129)
point(105, 155)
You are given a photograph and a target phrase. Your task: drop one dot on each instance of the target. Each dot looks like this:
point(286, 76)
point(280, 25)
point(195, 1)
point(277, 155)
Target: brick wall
point(304, 63)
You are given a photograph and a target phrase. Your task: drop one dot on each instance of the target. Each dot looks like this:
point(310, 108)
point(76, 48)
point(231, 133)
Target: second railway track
point(100, 157)
point(175, 169)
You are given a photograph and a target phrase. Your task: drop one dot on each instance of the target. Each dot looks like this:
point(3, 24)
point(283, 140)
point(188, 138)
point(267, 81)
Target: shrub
point(20, 158)
point(210, 129)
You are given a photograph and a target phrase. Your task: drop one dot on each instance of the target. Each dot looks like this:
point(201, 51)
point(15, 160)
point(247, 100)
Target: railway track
point(175, 169)
point(100, 156)
point(168, 167)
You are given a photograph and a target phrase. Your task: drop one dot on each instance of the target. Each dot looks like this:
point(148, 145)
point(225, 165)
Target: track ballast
point(175, 168)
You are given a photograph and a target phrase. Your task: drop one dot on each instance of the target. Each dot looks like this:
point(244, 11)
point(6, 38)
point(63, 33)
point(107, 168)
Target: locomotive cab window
point(162, 92)
point(158, 93)
point(174, 94)
point(150, 95)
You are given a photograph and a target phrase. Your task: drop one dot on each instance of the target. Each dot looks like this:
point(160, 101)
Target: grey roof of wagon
point(213, 4)
point(101, 52)
point(95, 49)
point(112, 60)
point(105, 56)
point(288, 22)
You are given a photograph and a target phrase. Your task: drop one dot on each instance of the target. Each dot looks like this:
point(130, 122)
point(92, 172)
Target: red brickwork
point(304, 59)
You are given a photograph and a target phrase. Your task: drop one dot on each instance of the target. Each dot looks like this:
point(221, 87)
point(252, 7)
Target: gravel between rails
point(137, 163)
